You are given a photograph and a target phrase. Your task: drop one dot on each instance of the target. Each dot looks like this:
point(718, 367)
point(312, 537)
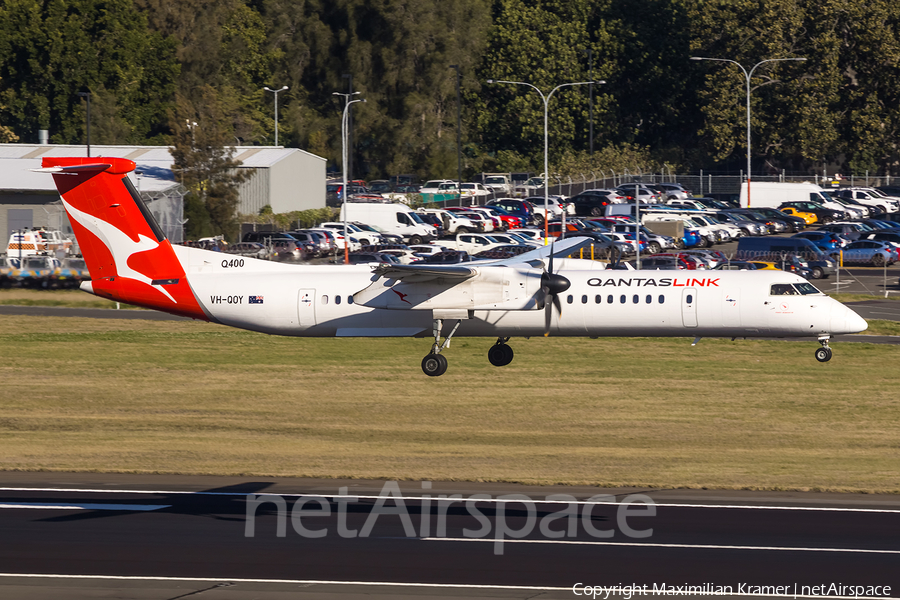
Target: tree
point(399, 54)
point(50, 50)
point(204, 164)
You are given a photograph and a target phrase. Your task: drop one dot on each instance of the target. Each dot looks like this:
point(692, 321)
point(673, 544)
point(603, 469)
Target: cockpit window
point(793, 289)
point(783, 289)
point(807, 288)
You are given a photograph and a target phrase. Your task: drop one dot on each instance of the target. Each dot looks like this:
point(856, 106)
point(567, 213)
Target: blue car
point(692, 238)
point(828, 242)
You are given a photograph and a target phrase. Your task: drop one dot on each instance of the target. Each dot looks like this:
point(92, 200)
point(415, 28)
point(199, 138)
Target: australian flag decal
point(256, 300)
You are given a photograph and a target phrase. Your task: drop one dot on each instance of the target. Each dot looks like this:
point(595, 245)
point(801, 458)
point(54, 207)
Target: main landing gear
point(823, 354)
point(435, 364)
point(500, 354)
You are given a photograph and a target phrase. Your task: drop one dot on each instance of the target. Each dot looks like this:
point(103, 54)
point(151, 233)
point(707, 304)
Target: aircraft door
point(689, 307)
point(306, 307)
point(731, 310)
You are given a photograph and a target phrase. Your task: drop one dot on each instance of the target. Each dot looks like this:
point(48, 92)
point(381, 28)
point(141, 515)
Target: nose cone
point(844, 320)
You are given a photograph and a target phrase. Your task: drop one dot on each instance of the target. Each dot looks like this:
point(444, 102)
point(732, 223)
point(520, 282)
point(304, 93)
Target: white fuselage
point(300, 300)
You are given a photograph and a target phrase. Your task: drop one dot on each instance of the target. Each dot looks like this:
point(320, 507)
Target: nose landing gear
point(823, 354)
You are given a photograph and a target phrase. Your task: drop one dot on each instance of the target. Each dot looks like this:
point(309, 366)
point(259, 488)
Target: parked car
point(868, 197)
point(825, 240)
point(474, 190)
point(362, 258)
point(795, 223)
point(265, 236)
point(889, 236)
point(592, 202)
point(738, 265)
point(250, 249)
point(515, 206)
point(643, 193)
point(808, 217)
point(851, 231)
point(557, 205)
point(671, 191)
point(875, 252)
point(823, 214)
point(665, 263)
point(529, 187)
point(447, 257)
point(501, 252)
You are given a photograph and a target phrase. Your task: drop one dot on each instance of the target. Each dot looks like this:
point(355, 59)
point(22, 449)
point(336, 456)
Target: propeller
point(552, 285)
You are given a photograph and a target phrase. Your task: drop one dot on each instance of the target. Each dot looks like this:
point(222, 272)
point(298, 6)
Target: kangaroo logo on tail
point(126, 252)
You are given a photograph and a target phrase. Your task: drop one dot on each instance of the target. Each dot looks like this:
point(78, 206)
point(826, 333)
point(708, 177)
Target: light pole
point(546, 100)
point(276, 108)
point(590, 54)
point(344, 194)
point(87, 96)
point(458, 138)
point(747, 76)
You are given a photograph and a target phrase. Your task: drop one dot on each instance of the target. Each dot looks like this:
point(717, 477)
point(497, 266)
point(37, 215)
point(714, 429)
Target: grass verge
point(186, 397)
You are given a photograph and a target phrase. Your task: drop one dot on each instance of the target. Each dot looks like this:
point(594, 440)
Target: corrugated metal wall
point(254, 191)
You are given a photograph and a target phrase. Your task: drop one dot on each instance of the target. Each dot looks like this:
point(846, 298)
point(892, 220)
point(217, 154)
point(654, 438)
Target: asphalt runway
point(132, 536)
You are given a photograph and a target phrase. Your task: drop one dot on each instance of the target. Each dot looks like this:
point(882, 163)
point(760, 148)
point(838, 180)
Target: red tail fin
point(126, 252)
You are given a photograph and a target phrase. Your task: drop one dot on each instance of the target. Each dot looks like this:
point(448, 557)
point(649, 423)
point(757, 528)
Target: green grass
point(66, 298)
point(187, 397)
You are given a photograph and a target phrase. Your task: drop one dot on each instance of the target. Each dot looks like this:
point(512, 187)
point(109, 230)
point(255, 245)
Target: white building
point(287, 179)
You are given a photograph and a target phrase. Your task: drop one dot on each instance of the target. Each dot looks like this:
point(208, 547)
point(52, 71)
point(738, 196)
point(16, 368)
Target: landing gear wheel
point(823, 354)
point(434, 365)
point(500, 355)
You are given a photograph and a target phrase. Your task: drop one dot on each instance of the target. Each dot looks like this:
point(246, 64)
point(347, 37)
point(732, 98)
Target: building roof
point(153, 162)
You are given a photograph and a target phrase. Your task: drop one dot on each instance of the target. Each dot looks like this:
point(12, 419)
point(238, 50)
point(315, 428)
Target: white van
point(398, 219)
point(772, 194)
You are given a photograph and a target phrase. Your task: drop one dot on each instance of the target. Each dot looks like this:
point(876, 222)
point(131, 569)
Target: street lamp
point(344, 194)
point(546, 100)
point(590, 55)
point(276, 108)
point(747, 76)
point(87, 96)
point(458, 138)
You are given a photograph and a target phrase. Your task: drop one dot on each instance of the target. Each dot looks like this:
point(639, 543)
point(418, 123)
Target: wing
point(508, 284)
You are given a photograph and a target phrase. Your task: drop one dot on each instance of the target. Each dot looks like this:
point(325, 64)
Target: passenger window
point(584, 299)
point(324, 299)
point(622, 299)
point(649, 299)
point(598, 299)
point(635, 298)
point(337, 299)
point(609, 299)
point(570, 299)
point(349, 299)
point(662, 299)
point(689, 299)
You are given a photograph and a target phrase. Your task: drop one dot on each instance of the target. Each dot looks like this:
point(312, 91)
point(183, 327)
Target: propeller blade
point(558, 304)
point(548, 308)
point(550, 268)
